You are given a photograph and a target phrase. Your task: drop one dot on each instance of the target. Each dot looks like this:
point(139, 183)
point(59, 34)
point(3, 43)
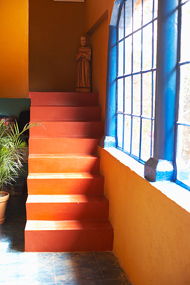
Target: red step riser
point(66, 186)
point(68, 241)
point(63, 145)
point(51, 113)
point(68, 129)
point(63, 164)
point(62, 161)
point(63, 98)
point(67, 211)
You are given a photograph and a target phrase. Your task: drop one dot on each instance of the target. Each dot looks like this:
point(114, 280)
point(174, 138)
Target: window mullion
point(141, 106)
point(123, 138)
point(132, 55)
point(165, 94)
point(153, 83)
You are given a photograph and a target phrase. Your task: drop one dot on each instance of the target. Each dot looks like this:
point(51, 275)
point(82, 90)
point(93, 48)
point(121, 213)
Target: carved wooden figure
point(83, 58)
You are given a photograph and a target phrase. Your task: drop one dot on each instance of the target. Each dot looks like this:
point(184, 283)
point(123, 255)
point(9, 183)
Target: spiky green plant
point(12, 147)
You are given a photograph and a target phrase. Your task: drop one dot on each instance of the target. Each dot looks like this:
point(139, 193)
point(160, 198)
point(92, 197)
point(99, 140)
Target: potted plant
point(12, 149)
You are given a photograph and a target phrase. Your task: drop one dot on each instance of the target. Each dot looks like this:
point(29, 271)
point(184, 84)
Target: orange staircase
point(66, 207)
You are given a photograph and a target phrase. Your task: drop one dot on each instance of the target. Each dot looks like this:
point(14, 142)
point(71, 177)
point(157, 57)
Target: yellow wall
point(55, 29)
point(151, 232)
point(98, 14)
point(14, 48)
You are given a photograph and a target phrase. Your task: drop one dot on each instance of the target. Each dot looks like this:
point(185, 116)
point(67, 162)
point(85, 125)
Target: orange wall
point(95, 9)
point(98, 15)
point(14, 48)
point(99, 42)
point(54, 36)
point(151, 232)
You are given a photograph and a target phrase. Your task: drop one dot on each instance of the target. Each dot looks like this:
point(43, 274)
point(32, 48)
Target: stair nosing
point(61, 105)
point(65, 175)
point(68, 199)
point(61, 156)
point(71, 225)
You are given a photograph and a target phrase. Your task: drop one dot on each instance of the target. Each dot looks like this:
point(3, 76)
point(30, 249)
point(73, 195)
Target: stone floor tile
point(32, 268)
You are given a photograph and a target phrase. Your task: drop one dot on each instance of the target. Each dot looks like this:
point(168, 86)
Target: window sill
point(173, 191)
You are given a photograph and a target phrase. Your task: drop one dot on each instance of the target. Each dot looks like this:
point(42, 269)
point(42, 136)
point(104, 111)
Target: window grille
point(183, 120)
point(136, 75)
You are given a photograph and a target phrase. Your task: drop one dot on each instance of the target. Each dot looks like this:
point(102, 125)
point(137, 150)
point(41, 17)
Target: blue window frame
point(136, 73)
point(183, 118)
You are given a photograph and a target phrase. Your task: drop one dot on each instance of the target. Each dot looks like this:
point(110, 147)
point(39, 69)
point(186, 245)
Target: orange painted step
point(60, 113)
point(62, 163)
point(63, 145)
point(68, 129)
point(66, 207)
point(65, 183)
point(68, 236)
point(64, 98)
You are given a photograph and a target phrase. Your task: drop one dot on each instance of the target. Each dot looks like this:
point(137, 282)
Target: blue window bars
point(183, 117)
point(148, 86)
point(136, 73)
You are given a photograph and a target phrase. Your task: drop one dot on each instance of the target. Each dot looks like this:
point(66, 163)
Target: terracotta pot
point(4, 197)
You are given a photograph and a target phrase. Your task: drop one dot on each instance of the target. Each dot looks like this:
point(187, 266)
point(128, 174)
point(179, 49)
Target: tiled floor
point(19, 267)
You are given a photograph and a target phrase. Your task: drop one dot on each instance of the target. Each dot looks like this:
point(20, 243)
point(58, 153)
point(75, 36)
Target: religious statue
point(83, 58)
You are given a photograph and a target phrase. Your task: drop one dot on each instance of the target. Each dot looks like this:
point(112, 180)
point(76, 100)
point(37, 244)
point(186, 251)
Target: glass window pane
point(128, 51)
point(128, 95)
point(128, 17)
point(147, 47)
point(136, 136)
point(120, 95)
point(120, 58)
point(155, 8)
point(136, 94)
point(147, 94)
point(137, 15)
point(185, 42)
point(121, 25)
point(137, 51)
point(155, 45)
point(183, 154)
point(146, 140)
point(147, 11)
point(184, 97)
point(127, 139)
point(119, 130)
point(154, 93)
point(152, 135)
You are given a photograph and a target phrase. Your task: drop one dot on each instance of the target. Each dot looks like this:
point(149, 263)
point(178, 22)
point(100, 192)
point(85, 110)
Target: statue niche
point(83, 59)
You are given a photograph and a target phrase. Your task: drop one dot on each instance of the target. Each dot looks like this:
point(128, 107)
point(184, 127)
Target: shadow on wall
point(13, 107)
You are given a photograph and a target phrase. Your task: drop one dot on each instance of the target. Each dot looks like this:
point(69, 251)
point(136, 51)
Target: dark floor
point(19, 267)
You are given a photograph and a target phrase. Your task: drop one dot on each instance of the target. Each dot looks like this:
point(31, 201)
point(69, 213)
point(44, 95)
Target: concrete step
point(65, 183)
point(66, 207)
point(68, 236)
point(60, 113)
point(63, 163)
point(63, 145)
point(68, 129)
point(63, 98)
